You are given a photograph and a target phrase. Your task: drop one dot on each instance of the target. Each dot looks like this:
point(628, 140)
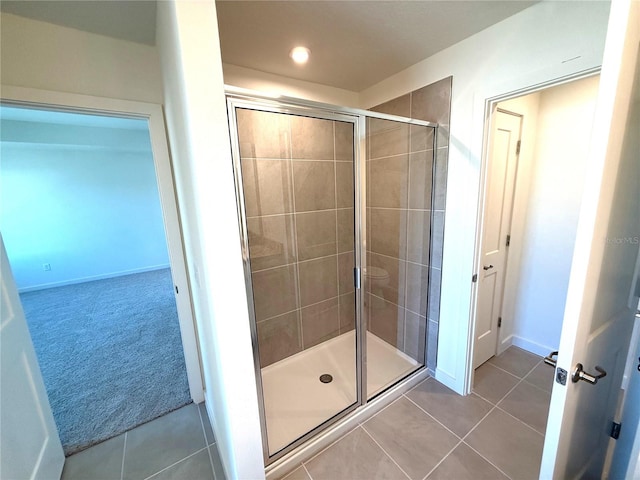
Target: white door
point(599, 313)
point(29, 438)
point(503, 162)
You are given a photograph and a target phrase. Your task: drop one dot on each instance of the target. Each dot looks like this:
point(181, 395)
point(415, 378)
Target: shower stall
point(335, 217)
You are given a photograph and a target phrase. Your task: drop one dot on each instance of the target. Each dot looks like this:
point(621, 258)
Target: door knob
point(487, 267)
point(580, 374)
point(549, 360)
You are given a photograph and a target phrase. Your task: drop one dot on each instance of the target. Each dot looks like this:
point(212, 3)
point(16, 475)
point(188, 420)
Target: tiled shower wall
point(399, 171)
point(431, 103)
point(297, 175)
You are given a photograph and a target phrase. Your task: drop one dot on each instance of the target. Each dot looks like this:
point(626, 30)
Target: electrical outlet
point(46, 267)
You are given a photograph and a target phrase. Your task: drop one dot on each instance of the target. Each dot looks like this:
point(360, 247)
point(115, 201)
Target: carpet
point(110, 353)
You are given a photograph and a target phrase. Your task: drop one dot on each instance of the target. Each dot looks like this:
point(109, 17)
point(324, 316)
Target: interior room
point(330, 222)
point(82, 223)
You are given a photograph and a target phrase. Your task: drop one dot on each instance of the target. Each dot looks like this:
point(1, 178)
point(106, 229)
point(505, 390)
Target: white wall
point(274, 84)
point(189, 49)
point(42, 55)
point(564, 124)
point(546, 41)
point(89, 211)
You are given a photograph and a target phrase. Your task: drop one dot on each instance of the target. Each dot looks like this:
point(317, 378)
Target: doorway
point(537, 168)
point(86, 191)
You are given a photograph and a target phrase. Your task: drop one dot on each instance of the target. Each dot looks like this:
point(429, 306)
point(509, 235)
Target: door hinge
point(518, 145)
point(499, 322)
point(508, 240)
point(615, 430)
point(474, 279)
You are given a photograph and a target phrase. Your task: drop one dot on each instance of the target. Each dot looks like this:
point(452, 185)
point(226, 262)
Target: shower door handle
point(356, 278)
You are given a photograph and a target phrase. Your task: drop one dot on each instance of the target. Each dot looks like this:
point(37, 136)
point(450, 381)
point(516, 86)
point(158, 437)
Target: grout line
point(505, 371)
point(285, 214)
point(519, 420)
point(385, 452)
point(307, 470)
point(204, 431)
point(176, 463)
point(376, 207)
point(335, 199)
point(487, 460)
point(124, 452)
point(302, 308)
point(434, 418)
point(213, 469)
point(293, 264)
point(442, 460)
point(332, 444)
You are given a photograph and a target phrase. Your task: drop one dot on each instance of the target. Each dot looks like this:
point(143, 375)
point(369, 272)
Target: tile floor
point(497, 432)
point(179, 445)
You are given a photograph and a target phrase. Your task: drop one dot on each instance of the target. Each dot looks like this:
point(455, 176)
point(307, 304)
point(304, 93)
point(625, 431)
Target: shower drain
point(326, 378)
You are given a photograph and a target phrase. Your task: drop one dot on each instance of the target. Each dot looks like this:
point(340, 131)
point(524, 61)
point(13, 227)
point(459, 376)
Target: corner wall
point(546, 41)
point(187, 38)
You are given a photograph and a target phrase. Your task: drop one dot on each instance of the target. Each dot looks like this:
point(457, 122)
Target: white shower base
point(296, 401)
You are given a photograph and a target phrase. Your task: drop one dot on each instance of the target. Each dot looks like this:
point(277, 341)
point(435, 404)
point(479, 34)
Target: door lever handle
point(580, 374)
point(549, 360)
point(487, 267)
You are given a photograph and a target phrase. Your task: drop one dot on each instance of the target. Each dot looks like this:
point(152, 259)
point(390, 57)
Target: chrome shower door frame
point(240, 98)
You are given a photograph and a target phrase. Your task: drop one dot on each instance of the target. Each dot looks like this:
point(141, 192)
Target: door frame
point(153, 113)
point(490, 107)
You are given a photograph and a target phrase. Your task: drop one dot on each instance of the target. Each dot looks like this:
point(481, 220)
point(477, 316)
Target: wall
point(87, 205)
point(45, 56)
point(556, 175)
point(546, 41)
point(297, 175)
point(187, 39)
point(275, 84)
point(431, 103)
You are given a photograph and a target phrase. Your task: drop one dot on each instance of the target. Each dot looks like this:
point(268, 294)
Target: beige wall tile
point(274, 291)
point(344, 140)
point(263, 134)
point(386, 321)
point(387, 138)
point(271, 241)
point(388, 232)
point(320, 322)
point(421, 138)
point(392, 289)
point(417, 284)
point(314, 185)
point(346, 237)
point(398, 106)
point(267, 187)
point(433, 102)
point(415, 336)
point(316, 234)
point(345, 189)
point(346, 264)
point(318, 280)
point(420, 179)
point(311, 138)
point(347, 312)
point(440, 183)
point(388, 182)
point(419, 224)
point(278, 338)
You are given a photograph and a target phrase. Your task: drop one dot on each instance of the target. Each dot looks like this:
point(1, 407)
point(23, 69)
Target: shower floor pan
point(296, 400)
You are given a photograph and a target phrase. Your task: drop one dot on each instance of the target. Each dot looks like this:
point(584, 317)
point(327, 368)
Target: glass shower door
point(298, 200)
point(399, 164)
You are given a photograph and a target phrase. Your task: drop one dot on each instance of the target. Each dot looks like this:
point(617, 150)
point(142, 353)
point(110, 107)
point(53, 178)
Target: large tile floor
point(179, 445)
point(497, 432)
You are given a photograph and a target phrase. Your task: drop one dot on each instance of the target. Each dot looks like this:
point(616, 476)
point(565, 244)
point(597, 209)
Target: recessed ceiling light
point(300, 55)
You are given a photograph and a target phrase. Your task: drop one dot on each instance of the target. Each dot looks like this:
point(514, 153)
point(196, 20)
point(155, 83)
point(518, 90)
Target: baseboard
point(533, 347)
point(74, 281)
point(504, 344)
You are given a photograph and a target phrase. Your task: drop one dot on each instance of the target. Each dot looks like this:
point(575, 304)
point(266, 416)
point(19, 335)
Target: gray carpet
point(110, 352)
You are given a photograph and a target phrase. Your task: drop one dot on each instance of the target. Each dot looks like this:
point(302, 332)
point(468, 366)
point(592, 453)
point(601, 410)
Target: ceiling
point(354, 44)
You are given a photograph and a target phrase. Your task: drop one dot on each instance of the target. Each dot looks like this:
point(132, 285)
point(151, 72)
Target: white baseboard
point(531, 346)
point(74, 281)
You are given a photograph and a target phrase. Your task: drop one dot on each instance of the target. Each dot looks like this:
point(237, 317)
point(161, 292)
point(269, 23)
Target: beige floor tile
point(411, 437)
point(530, 404)
point(354, 457)
point(516, 361)
point(509, 444)
point(492, 383)
point(102, 461)
point(541, 376)
point(298, 474)
point(195, 467)
point(458, 413)
point(465, 464)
